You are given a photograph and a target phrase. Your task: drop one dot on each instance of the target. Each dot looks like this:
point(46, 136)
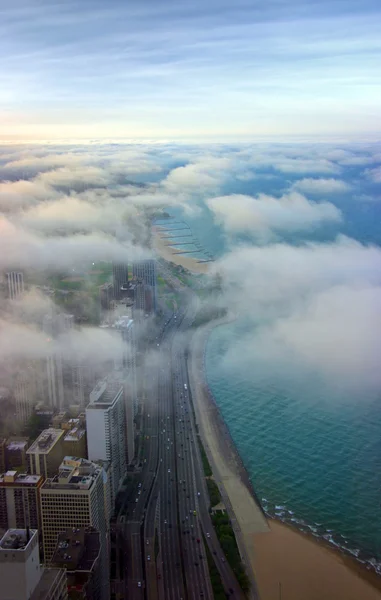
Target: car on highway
point(149, 557)
point(208, 535)
point(139, 584)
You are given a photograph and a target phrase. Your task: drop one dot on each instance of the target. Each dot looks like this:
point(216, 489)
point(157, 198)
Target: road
point(165, 519)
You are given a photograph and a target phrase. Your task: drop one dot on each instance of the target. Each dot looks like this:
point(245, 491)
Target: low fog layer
point(312, 306)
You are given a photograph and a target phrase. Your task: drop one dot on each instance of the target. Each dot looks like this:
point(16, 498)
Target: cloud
point(205, 174)
point(78, 177)
point(313, 309)
point(374, 174)
point(293, 165)
point(72, 213)
point(263, 214)
point(18, 194)
point(23, 249)
point(321, 186)
point(32, 164)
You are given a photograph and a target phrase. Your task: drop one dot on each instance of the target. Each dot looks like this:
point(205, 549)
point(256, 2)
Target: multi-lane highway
point(165, 518)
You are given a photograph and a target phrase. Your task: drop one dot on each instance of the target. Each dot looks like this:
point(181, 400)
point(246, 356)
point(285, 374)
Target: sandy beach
point(285, 563)
point(160, 245)
point(307, 570)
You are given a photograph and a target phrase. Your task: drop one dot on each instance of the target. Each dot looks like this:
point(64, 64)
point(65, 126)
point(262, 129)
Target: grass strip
point(229, 546)
point(205, 463)
point(215, 577)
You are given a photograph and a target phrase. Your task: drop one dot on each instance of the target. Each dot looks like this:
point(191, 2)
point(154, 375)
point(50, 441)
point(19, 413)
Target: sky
point(160, 69)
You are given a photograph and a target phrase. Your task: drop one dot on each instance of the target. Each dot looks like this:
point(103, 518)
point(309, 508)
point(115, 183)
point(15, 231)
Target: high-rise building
point(26, 387)
point(120, 278)
point(145, 271)
point(127, 328)
point(106, 295)
point(78, 551)
point(75, 443)
point(21, 575)
point(75, 497)
point(106, 429)
point(15, 284)
point(20, 500)
point(3, 461)
point(47, 452)
point(15, 453)
point(139, 307)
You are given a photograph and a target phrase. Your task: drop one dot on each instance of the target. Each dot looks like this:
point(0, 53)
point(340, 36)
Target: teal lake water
point(313, 454)
point(314, 461)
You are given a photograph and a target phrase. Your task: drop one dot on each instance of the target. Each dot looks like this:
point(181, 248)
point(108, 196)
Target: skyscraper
point(15, 284)
point(106, 429)
point(120, 278)
point(64, 375)
point(78, 551)
point(145, 271)
point(21, 575)
point(20, 500)
point(47, 452)
point(75, 497)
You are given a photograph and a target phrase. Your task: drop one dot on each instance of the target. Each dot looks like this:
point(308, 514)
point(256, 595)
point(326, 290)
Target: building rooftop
point(45, 441)
point(47, 586)
point(105, 393)
point(15, 478)
point(74, 435)
point(16, 444)
point(77, 549)
point(74, 474)
point(17, 539)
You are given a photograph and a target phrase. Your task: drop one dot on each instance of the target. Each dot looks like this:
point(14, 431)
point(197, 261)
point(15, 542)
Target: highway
point(165, 518)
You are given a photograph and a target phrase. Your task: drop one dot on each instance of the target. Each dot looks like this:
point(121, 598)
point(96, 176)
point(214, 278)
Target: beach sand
point(306, 569)
point(167, 252)
point(274, 553)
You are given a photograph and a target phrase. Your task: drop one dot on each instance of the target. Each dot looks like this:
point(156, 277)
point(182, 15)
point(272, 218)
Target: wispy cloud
point(164, 69)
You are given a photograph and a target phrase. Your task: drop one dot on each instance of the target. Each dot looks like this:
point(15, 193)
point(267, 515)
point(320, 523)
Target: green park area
point(229, 546)
point(215, 577)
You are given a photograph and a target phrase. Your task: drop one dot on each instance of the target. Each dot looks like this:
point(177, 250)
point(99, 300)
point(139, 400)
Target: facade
point(15, 453)
point(139, 309)
point(20, 500)
point(3, 463)
point(75, 443)
point(78, 552)
point(65, 383)
point(106, 429)
point(21, 575)
point(106, 295)
point(47, 452)
point(26, 387)
point(75, 498)
point(120, 278)
point(145, 271)
point(15, 283)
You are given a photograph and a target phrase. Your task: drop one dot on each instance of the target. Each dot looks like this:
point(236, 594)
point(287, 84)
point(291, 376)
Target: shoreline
point(166, 252)
point(275, 554)
point(245, 511)
point(307, 567)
